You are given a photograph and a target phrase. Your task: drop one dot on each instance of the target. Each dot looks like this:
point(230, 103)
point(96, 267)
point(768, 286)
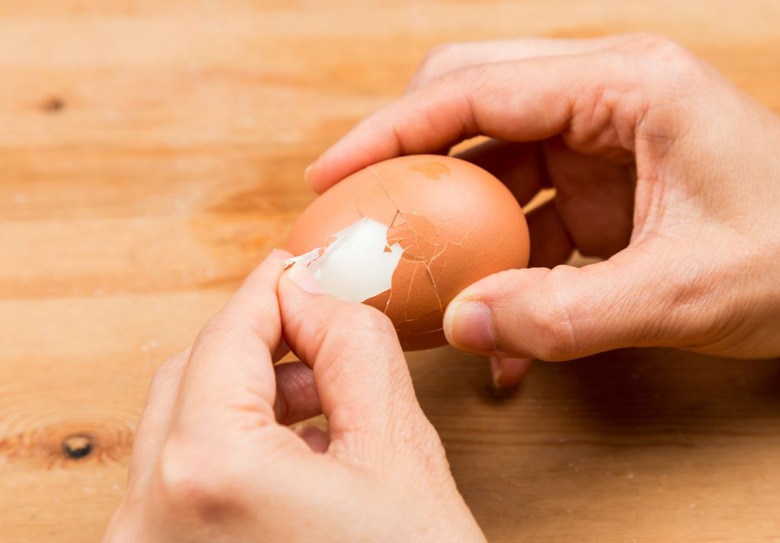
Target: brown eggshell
point(455, 221)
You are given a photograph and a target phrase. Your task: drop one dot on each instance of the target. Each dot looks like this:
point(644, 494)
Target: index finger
point(230, 369)
point(520, 100)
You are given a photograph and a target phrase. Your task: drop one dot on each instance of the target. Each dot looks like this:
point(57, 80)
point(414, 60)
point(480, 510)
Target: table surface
point(151, 154)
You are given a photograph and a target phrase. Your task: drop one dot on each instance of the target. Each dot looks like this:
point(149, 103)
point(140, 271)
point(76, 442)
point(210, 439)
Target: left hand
point(215, 461)
point(639, 139)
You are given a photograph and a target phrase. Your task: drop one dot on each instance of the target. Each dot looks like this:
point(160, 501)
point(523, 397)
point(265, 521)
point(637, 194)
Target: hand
point(214, 461)
point(660, 166)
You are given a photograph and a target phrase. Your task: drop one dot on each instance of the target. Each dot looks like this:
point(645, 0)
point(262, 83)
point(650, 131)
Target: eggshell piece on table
point(449, 222)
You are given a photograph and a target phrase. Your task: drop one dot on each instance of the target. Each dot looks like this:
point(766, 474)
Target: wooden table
point(151, 154)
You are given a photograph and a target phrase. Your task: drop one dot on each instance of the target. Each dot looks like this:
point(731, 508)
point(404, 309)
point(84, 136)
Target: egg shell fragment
point(455, 222)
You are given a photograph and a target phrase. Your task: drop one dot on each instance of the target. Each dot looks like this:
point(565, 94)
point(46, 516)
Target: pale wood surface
point(151, 153)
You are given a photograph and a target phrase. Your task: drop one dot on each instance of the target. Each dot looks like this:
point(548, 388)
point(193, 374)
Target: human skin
point(215, 460)
point(661, 167)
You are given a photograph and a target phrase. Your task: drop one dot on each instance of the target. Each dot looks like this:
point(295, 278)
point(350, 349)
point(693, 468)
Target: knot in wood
point(78, 446)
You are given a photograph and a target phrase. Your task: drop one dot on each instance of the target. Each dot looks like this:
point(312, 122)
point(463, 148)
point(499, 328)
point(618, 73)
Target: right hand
point(662, 168)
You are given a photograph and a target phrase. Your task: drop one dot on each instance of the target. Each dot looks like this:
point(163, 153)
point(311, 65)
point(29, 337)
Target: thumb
point(564, 312)
point(360, 372)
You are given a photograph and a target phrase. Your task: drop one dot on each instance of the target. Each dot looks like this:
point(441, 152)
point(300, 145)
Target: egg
point(406, 235)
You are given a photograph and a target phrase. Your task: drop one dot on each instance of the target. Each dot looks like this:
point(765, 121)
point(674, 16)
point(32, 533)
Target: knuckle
point(664, 54)
point(184, 486)
point(221, 326)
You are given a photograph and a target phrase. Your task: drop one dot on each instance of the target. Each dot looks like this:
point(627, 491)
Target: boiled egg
point(406, 235)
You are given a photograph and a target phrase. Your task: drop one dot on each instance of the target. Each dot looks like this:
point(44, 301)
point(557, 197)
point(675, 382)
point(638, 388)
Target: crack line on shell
point(409, 295)
point(435, 290)
point(398, 213)
point(440, 253)
point(384, 189)
point(416, 239)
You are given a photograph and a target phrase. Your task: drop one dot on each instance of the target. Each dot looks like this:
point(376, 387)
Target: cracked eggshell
point(455, 222)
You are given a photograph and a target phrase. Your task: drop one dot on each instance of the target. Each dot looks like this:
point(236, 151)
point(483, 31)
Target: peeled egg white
point(407, 234)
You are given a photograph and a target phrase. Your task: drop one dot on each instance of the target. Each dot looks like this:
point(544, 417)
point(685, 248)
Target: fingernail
point(468, 326)
point(307, 172)
point(302, 276)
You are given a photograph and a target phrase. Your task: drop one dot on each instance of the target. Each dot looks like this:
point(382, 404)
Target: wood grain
point(151, 153)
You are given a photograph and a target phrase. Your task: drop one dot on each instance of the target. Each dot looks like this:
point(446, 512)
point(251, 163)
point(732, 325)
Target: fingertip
point(370, 141)
point(307, 173)
point(283, 253)
point(508, 372)
point(297, 289)
point(313, 177)
point(468, 326)
point(468, 319)
point(279, 255)
point(476, 319)
point(337, 162)
point(305, 309)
